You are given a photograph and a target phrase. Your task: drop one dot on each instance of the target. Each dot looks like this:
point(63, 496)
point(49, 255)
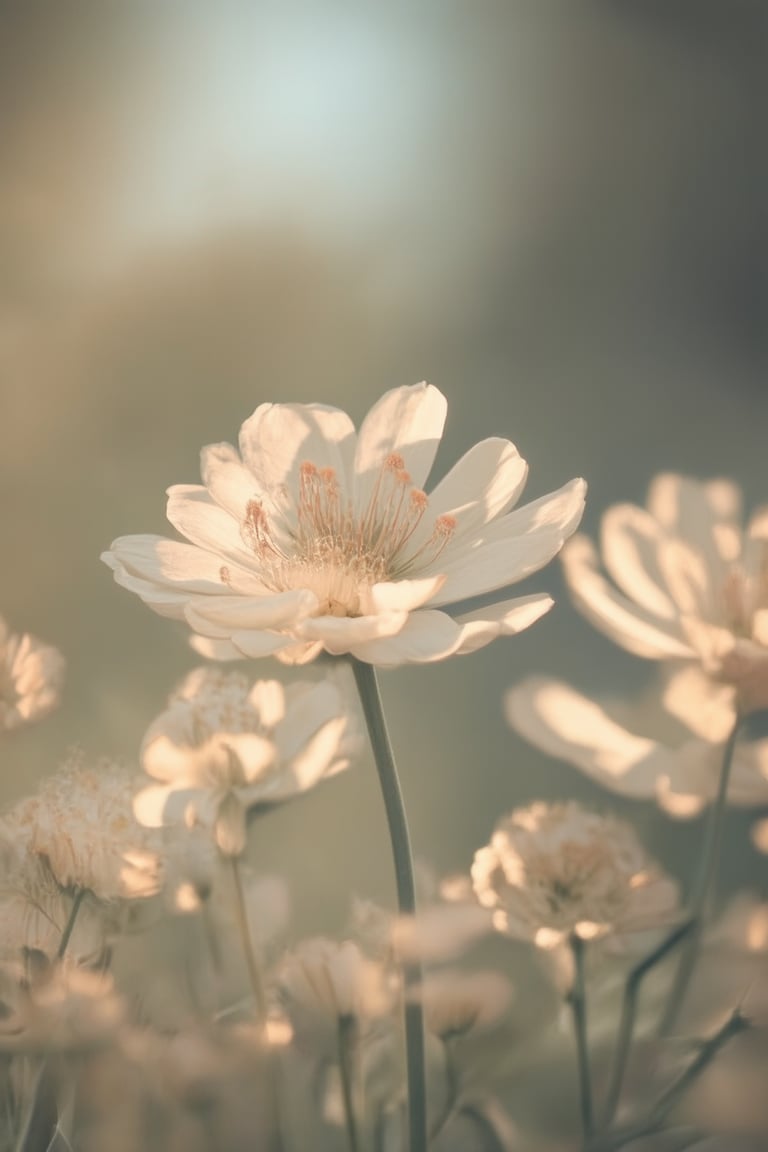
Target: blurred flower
point(679, 767)
point(320, 538)
point(691, 583)
point(459, 1002)
point(323, 980)
point(30, 678)
point(439, 931)
point(67, 1010)
point(226, 747)
point(80, 825)
point(552, 869)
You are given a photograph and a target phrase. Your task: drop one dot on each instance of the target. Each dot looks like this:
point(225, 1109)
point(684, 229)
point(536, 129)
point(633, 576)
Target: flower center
point(324, 543)
point(578, 881)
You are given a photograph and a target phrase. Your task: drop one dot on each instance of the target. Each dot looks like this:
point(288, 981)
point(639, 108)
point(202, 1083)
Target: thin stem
point(254, 973)
point(347, 1050)
point(702, 887)
point(629, 1013)
point(70, 924)
point(370, 698)
point(578, 1003)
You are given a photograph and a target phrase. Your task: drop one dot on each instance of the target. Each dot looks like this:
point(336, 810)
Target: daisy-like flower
point(690, 583)
point(324, 980)
point(80, 826)
point(30, 678)
point(554, 869)
point(227, 746)
point(672, 754)
point(317, 537)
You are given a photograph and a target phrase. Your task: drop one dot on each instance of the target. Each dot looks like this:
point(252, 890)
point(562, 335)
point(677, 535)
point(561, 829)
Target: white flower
point(322, 538)
point(227, 746)
point(690, 583)
point(30, 678)
point(677, 758)
point(80, 824)
point(552, 869)
point(459, 1002)
point(323, 980)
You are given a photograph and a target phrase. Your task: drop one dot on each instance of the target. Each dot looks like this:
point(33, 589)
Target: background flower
point(690, 583)
point(315, 537)
point(227, 746)
point(551, 869)
point(30, 678)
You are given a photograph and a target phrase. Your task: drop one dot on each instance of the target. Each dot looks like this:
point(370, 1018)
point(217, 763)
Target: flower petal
point(258, 644)
point(235, 613)
point(504, 619)
point(339, 634)
point(161, 600)
point(312, 762)
point(183, 567)
point(427, 636)
point(408, 421)
point(230, 483)
point(400, 595)
point(195, 515)
point(625, 623)
point(496, 565)
point(278, 438)
point(310, 706)
point(707, 516)
point(559, 511)
point(570, 727)
point(486, 481)
point(215, 648)
point(630, 540)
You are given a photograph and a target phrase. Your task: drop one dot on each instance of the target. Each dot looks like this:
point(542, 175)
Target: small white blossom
point(30, 678)
point(325, 980)
point(226, 747)
point(691, 583)
point(317, 537)
point(554, 869)
point(80, 825)
point(458, 1002)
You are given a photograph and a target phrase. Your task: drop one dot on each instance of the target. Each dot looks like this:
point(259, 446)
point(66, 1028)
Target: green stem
point(629, 1013)
point(70, 924)
point(347, 1050)
point(702, 887)
point(578, 1003)
point(370, 698)
point(251, 963)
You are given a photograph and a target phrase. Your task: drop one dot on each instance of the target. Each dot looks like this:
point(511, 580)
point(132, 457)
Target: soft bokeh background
point(554, 211)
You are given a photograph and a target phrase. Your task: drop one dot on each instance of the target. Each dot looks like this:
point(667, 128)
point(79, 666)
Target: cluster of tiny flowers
point(552, 869)
point(80, 825)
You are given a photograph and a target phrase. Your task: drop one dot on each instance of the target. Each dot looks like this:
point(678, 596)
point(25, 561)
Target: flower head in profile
point(316, 537)
point(226, 747)
point(30, 678)
point(670, 752)
point(690, 583)
point(80, 826)
point(554, 869)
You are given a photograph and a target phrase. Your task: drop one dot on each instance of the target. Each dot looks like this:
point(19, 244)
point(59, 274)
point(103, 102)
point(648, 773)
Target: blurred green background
point(554, 211)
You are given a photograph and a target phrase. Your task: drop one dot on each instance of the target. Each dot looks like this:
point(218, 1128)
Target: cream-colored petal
point(570, 727)
point(497, 565)
point(427, 636)
point(163, 601)
point(194, 514)
point(182, 567)
point(230, 483)
point(309, 709)
point(160, 805)
point(254, 752)
point(408, 421)
point(339, 634)
point(235, 613)
point(399, 595)
point(630, 541)
point(215, 648)
point(560, 511)
point(268, 699)
point(297, 654)
point(705, 707)
point(693, 586)
point(484, 483)
point(311, 763)
point(258, 644)
point(624, 622)
point(278, 438)
point(504, 619)
point(705, 515)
